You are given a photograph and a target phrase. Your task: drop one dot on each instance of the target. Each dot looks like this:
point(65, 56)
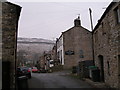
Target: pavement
point(95, 84)
point(89, 81)
point(62, 73)
point(56, 80)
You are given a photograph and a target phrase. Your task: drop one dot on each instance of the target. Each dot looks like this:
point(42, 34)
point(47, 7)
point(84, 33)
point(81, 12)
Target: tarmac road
point(55, 80)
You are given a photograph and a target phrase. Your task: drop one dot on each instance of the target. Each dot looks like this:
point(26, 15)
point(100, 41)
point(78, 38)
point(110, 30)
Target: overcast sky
point(47, 19)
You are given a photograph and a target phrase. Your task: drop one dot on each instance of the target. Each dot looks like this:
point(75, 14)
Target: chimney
point(77, 22)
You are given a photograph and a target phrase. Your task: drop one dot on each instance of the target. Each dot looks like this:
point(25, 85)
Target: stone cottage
point(106, 36)
point(74, 45)
point(44, 61)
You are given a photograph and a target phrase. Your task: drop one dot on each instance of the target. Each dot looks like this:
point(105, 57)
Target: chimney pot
point(77, 22)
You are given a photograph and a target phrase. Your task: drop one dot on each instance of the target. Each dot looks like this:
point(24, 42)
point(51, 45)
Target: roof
point(104, 14)
point(75, 27)
point(71, 29)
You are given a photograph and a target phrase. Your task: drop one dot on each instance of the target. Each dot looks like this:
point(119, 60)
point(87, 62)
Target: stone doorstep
point(95, 84)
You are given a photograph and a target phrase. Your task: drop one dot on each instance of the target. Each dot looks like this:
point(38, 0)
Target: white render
point(60, 49)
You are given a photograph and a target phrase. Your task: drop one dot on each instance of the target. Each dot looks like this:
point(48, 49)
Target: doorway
point(5, 74)
point(119, 71)
point(101, 62)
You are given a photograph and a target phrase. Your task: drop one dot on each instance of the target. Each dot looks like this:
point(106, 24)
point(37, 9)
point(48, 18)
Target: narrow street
point(55, 80)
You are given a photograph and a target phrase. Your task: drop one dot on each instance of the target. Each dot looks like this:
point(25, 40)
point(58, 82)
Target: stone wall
point(78, 40)
point(106, 43)
point(42, 61)
point(10, 16)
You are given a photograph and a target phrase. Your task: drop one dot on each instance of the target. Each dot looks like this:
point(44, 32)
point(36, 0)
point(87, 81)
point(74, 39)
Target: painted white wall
point(62, 52)
point(51, 65)
point(61, 49)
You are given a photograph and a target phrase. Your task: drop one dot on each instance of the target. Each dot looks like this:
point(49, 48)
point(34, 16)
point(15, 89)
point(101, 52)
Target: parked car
point(24, 71)
point(43, 71)
point(19, 72)
point(35, 70)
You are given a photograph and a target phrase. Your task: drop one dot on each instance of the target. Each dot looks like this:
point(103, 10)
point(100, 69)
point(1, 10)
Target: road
point(55, 80)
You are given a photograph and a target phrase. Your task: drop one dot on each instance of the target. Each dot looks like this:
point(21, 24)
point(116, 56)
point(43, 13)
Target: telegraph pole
point(90, 11)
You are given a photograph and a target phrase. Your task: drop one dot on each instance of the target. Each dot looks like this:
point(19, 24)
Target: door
point(101, 61)
point(0, 74)
point(119, 71)
point(5, 74)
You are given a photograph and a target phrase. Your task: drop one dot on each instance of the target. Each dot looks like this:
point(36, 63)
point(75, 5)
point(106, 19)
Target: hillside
point(33, 48)
point(34, 40)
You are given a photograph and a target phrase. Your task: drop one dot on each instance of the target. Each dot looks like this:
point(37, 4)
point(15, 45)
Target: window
point(118, 15)
point(81, 54)
point(108, 65)
point(117, 12)
point(96, 36)
point(102, 24)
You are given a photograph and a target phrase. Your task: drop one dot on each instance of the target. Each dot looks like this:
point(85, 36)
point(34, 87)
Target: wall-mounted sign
point(69, 52)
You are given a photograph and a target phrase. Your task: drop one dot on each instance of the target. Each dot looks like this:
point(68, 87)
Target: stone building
point(45, 60)
point(74, 45)
point(106, 36)
point(54, 55)
point(42, 62)
point(10, 16)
